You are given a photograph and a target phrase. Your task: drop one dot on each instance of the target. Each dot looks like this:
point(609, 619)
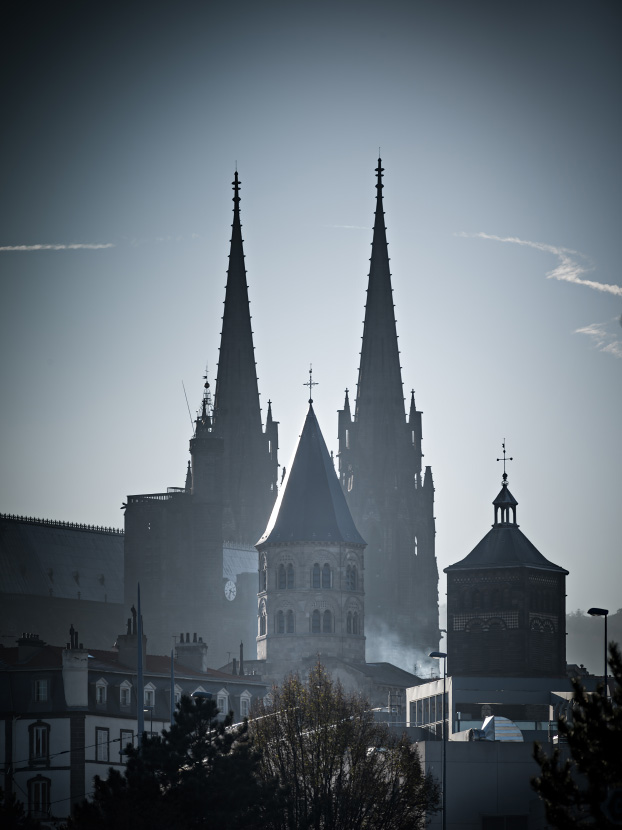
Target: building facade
point(67, 714)
point(381, 473)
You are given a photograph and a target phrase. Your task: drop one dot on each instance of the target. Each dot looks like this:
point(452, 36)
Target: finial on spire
point(504, 459)
point(236, 187)
point(310, 383)
point(379, 171)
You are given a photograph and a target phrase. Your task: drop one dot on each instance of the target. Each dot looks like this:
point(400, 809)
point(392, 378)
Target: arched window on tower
point(355, 623)
point(315, 622)
point(262, 621)
point(281, 579)
point(263, 575)
point(280, 622)
point(289, 622)
point(351, 578)
point(349, 623)
point(327, 623)
point(290, 575)
point(327, 581)
point(316, 576)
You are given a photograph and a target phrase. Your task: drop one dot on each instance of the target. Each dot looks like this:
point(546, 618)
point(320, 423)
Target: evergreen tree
point(581, 780)
point(342, 770)
point(200, 773)
point(12, 814)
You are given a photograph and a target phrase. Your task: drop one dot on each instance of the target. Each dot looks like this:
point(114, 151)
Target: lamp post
point(443, 655)
point(602, 612)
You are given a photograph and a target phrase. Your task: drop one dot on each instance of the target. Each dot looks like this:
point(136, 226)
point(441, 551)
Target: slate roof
point(505, 546)
point(311, 506)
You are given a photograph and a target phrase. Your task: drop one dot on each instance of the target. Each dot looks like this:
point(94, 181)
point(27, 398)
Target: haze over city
point(499, 134)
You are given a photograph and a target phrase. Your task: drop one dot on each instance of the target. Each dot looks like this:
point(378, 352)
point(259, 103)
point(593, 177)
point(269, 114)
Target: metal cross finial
point(310, 383)
point(504, 459)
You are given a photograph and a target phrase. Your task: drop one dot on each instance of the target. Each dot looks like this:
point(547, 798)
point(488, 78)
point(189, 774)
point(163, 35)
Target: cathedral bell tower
point(380, 468)
point(311, 567)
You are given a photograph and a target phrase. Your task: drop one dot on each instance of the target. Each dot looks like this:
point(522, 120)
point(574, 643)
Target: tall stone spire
point(380, 466)
point(249, 455)
point(236, 401)
point(379, 396)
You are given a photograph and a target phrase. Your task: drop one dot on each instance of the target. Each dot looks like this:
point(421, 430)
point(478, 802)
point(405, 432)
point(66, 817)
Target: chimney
point(27, 645)
point(241, 659)
point(192, 654)
point(234, 669)
point(127, 646)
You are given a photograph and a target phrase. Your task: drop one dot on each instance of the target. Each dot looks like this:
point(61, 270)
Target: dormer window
point(125, 693)
point(149, 698)
point(222, 701)
point(101, 691)
point(41, 691)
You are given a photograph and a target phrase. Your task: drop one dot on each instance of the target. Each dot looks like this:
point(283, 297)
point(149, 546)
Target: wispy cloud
point(603, 337)
point(569, 269)
point(74, 246)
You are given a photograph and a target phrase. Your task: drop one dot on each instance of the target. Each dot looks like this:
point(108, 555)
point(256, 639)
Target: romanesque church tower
point(191, 548)
point(311, 568)
point(380, 467)
point(506, 604)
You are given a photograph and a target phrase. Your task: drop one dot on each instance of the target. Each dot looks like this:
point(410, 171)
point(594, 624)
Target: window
point(39, 797)
point(39, 734)
point(349, 623)
point(125, 693)
point(327, 622)
point(315, 576)
point(41, 691)
point(101, 744)
point(326, 576)
point(282, 578)
point(126, 736)
point(263, 576)
point(289, 622)
point(100, 691)
point(355, 623)
point(280, 622)
point(245, 704)
point(290, 575)
point(263, 621)
point(149, 698)
point(223, 701)
point(351, 578)
point(315, 622)
point(178, 693)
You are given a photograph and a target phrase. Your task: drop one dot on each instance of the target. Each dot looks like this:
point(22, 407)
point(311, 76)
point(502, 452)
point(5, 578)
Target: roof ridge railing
point(54, 523)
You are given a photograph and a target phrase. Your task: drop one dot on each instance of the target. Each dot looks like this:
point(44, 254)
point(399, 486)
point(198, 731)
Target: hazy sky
point(499, 128)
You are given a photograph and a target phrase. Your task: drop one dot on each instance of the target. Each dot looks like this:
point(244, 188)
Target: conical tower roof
point(311, 506)
point(237, 394)
point(379, 388)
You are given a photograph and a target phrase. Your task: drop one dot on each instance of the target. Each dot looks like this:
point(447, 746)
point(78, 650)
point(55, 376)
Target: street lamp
point(602, 612)
point(443, 655)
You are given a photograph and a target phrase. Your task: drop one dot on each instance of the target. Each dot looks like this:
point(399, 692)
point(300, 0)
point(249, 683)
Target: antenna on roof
point(188, 405)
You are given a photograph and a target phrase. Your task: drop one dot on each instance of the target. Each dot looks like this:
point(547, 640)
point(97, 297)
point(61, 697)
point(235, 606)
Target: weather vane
point(310, 383)
point(504, 459)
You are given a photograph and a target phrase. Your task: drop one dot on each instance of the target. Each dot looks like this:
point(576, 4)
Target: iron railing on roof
point(54, 523)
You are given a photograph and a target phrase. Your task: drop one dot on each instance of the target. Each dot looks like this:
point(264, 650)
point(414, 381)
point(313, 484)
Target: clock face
point(230, 590)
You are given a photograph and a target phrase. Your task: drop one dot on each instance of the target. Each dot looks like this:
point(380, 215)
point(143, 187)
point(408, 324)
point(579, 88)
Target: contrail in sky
point(74, 246)
point(568, 270)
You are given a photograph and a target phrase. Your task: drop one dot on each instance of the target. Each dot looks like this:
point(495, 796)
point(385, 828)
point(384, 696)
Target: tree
point(581, 786)
point(12, 814)
point(343, 770)
point(200, 773)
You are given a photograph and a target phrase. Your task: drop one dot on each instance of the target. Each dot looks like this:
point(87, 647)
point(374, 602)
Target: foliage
point(200, 773)
point(579, 791)
point(343, 770)
point(12, 814)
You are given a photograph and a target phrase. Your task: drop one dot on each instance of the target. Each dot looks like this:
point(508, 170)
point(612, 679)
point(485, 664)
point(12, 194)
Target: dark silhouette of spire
point(379, 390)
point(236, 401)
